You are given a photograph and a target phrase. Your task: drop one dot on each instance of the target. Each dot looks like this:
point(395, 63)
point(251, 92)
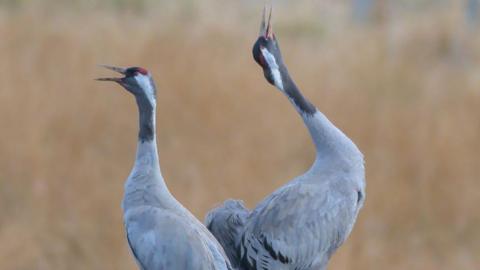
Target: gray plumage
point(226, 223)
point(162, 234)
point(301, 224)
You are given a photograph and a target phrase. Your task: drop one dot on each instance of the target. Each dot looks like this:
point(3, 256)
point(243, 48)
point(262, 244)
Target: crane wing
point(298, 226)
point(158, 239)
point(226, 223)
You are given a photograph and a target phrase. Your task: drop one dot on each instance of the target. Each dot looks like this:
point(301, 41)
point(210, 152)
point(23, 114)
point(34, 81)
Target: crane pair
point(299, 226)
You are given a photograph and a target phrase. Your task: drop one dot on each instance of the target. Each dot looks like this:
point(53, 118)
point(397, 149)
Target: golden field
point(406, 90)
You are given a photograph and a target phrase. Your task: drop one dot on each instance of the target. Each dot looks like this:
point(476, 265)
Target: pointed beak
point(116, 69)
point(118, 80)
point(266, 29)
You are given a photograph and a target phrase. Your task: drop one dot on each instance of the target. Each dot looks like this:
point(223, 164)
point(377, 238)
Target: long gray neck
point(332, 145)
point(145, 185)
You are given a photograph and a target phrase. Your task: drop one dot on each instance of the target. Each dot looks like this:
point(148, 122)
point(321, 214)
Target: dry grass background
point(406, 91)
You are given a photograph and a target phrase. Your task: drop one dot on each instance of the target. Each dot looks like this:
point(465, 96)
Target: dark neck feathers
point(292, 91)
point(146, 112)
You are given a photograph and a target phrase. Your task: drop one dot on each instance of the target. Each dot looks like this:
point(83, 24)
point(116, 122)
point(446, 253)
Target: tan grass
point(407, 93)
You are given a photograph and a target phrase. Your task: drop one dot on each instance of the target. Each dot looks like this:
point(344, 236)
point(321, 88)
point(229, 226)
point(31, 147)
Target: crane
point(161, 233)
point(301, 224)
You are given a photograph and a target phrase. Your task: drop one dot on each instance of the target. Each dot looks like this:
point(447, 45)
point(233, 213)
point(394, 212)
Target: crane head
point(136, 80)
point(266, 51)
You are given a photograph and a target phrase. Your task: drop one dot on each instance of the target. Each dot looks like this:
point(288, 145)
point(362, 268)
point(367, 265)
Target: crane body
point(301, 224)
point(161, 233)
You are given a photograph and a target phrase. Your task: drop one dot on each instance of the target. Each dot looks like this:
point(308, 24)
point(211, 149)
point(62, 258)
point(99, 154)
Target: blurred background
point(400, 77)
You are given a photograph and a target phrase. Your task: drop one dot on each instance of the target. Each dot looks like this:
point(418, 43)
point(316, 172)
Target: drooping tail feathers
point(226, 223)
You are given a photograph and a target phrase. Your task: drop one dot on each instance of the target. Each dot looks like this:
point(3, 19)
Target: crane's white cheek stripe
point(144, 82)
point(277, 79)
point(274, 68)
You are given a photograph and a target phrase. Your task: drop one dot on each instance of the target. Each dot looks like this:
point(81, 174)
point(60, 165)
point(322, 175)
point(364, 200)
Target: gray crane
point(161, 233)
point(301, 224)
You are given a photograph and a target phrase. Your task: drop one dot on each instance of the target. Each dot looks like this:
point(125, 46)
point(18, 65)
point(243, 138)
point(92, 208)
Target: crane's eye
point(261, 60)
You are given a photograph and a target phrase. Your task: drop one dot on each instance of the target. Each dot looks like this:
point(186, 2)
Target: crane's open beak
point(266, 29)
point(116, 69)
